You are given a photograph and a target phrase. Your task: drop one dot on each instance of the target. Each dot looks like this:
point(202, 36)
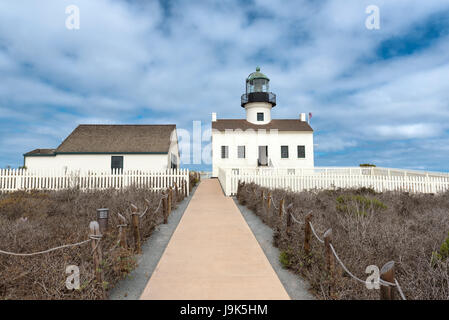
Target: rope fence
point(45, 251)
point(387, 271)
point(100, 227)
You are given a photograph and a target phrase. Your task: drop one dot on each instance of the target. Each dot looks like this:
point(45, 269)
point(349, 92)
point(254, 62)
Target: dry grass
point(57, 218)
point(368, 229)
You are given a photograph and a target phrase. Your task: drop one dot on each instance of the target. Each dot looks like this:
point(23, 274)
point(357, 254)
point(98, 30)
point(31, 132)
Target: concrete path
point(213, 255)
point(132, 286)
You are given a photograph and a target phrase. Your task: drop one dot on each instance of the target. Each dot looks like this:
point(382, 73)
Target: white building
point(106, 147)
point(259, 140)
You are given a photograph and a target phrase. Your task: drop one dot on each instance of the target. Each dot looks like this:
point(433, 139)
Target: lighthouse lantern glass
point(257, 85)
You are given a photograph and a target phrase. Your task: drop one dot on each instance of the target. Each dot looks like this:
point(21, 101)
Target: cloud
point(410, 131)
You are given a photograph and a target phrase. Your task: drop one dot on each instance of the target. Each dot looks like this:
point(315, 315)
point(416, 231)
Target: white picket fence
point(297, 179)
point(23, 179)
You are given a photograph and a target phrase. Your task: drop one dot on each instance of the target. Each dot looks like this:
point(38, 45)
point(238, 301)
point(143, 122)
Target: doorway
point(263, 156)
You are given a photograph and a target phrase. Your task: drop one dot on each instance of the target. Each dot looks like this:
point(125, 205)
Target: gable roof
point(118, 139)
point(279, 124)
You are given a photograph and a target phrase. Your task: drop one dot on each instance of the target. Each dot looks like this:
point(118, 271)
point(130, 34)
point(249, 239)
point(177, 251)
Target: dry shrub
point(369, 229)
point(36, 221)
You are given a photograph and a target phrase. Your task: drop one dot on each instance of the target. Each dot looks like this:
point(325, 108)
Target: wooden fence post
point(307, 233)
point(169, 201)
point(263, 199)
point(281, 207)
point(184, 190)
point(289, 223)
point(136, 227)
point(269, 201)
point(330, 262)
point(122, 230)
point(94, 229)
point(176, 192)
point(387, 274)
point(164, 207)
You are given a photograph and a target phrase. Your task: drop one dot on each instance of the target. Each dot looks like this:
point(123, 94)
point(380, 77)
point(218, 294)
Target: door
point(263, 156)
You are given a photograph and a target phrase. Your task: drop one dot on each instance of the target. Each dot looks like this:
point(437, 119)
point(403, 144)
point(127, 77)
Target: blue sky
point(377, 96)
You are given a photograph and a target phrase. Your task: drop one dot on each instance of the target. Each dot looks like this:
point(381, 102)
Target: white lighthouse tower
point(250, 142)
point(258, 100)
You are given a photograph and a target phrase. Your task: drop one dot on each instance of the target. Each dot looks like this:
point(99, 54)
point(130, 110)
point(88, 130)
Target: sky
point(377, 95)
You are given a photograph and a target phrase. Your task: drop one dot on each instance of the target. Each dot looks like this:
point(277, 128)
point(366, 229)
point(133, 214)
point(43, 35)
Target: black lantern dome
point(258, 89)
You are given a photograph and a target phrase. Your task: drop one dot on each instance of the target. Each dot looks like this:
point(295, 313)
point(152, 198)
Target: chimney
point(303, 117)
point(214, 116)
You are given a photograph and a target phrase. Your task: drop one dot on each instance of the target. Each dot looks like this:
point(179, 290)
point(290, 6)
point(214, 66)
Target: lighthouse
point(258, 100)
point(260, 140)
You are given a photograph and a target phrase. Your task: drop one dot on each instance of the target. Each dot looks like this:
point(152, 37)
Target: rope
point(95, 237)
point(49, 250)
point(400, 290)
point(343, 266)
point(382, 282)
point(158, 207)
point(294, 219)
point(396, 284)
point(314, 233)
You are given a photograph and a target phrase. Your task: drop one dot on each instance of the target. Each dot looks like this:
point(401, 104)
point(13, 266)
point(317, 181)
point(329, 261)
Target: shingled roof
point(279, 124)
point(118, 139)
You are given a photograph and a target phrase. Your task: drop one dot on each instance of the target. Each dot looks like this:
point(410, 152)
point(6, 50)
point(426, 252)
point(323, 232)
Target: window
point(284, 152)
point(117, 162)
point(224, 152)
point(259, 116)
point(241, 152)
point(301, 152)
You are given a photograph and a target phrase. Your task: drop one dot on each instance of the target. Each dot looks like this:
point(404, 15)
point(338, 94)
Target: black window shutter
point(284, 152)
point(117, 162)
point(224, 152)
point(301, 151)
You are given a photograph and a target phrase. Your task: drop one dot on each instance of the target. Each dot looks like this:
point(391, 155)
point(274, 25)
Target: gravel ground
point(133, 285)
point(296, 288)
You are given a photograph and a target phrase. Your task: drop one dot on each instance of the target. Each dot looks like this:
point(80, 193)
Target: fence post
point(94, 229)
point(184, 189)
point(387, 274)
point(289, 222)
point(136, 223)
point(269, 201)
point(169, 201)
point(176, 192)
point(263, 198)
point(164, 207)
point(281, 207)
point(103, 219)
point(122, 230)
point(307, 233)
point(330, 263)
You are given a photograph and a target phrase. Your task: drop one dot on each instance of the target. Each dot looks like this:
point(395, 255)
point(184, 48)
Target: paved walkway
point(213, 255)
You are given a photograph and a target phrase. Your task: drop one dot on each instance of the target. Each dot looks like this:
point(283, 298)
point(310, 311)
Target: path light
point(103, 219)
